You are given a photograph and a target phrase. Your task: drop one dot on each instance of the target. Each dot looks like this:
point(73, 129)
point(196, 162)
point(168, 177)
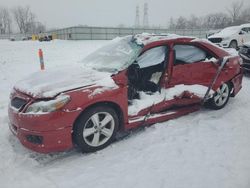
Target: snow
point(165, 94)
point(207, 41)
point(204, 149)
point(227, 32)
point(49, 83)
point(146, 38)
point(232, 51)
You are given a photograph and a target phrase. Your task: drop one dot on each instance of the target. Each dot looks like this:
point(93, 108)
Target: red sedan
point(131, 82)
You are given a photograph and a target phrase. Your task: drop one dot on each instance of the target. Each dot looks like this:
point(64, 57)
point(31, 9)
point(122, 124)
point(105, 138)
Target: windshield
point(230, 30)
point(115, 56)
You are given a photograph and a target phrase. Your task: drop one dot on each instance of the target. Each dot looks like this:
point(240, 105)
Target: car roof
point(146, 39)
point(152, 40)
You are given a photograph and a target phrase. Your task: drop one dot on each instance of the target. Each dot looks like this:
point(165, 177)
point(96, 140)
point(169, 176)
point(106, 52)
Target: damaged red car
point(131, 82)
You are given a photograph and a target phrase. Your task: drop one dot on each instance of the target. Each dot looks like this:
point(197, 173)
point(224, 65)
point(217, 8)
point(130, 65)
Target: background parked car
point(212, 32)
point(45, 38)
point(232, 37)
point(244, 53)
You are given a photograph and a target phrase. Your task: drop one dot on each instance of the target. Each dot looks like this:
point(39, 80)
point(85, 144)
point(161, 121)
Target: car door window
point(244, 31)
point(187, 54)
point(151, 57)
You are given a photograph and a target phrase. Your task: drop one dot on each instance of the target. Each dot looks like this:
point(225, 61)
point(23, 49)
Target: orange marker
point(40, 53)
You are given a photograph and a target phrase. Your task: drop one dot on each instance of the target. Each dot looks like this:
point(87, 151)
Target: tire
point(95, 129)
point(233, 44)
point(220, 97)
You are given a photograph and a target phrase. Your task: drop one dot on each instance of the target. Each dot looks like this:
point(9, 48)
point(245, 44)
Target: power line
point(137, 18)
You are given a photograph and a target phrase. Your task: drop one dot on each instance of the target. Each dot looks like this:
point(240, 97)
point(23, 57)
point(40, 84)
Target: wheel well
point(234, 40)
point(112, 105)
point(231, 87)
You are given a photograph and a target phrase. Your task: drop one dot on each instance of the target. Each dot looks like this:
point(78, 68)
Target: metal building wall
point(108, 33)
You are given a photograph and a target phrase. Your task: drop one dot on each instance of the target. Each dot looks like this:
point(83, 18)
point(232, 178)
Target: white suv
point(232, 37)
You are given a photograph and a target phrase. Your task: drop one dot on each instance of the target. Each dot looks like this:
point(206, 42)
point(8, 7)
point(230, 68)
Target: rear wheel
point(220, 97)
point(95, 129)
point(233, 44)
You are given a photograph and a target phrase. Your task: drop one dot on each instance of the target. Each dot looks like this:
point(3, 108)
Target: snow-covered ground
point(206, 149)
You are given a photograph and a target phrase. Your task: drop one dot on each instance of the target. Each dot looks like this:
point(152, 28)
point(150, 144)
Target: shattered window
point(189, 54)
point(152, 57)
point(115, 56)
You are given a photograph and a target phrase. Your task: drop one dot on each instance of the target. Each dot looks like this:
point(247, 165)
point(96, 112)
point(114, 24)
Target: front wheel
point(95, 129)
point(220, 97)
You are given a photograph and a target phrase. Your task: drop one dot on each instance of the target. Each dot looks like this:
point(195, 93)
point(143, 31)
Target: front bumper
point(223, 44)
point(44, 133)
point(52, 141)
point(220, 42)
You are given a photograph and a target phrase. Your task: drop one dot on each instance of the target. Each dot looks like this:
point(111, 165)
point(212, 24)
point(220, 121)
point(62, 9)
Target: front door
point(152, 63)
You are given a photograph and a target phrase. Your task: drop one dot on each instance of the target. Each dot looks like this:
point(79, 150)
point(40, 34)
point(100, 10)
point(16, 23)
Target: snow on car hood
point(49, 83)
point(227, 32)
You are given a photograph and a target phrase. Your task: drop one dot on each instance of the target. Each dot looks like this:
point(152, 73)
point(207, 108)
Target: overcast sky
point(64, 13)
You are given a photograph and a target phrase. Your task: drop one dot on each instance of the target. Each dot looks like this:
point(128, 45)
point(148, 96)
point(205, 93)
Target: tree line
point(22, 17)
point(236, 14)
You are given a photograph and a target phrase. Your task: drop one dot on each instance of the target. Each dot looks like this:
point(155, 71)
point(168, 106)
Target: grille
point(215, 40)
point(18, 103)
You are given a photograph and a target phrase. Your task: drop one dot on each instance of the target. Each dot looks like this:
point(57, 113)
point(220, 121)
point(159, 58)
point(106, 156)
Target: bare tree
point(181, 23)
point(5, 21)
point(40, 28)
point(235, 15)
point(235, 11)
point(24, 18)
point(216, 21)
point(194, 22)
point(245, 15)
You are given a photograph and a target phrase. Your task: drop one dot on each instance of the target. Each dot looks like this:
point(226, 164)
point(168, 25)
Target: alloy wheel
point(221, 95)
point(98, 129)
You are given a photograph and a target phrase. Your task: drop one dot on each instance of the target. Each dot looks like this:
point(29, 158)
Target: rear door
point(193, 67)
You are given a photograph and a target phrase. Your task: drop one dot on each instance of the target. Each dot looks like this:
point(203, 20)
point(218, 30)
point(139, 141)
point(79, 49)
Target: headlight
point(49, 106)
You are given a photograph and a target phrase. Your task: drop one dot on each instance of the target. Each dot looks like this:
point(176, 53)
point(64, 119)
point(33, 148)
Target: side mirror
point(241, 33)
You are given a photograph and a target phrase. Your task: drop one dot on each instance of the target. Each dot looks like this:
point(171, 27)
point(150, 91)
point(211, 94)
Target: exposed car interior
point(145, 73)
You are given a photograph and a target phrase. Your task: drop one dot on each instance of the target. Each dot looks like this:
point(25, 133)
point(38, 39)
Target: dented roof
point(145, 38)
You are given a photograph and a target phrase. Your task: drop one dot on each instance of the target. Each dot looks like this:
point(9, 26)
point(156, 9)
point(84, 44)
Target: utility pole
point(137, 18)
point(145, 16)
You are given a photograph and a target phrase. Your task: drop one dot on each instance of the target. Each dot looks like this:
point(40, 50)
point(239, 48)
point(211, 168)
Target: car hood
point(49, 83)
point(221, 35)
